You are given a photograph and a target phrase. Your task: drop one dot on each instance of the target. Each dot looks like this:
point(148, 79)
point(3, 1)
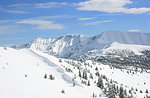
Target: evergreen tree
point(45, 76)
point(25, 75)
point(130, 91)
point(60, 60)
point(136, 89)
point(85, 75)
point(62, 91)
point(121, 93)
point(97, 74)
point(111, 91)
point(96, 69)
point(100, 83)
point(88, 83)
point(51, 77)
point(117, 89)
point(105, 90)
point(141, 91)
point(79, 73)
point(74, 84)
point(91, 76)
point(146, 91)
point(94, 95)
point(111, 81)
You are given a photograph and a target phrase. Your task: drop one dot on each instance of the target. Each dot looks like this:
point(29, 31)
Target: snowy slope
point(115, 47)
point(129, 79)
point(136, 49)
point(22, 76)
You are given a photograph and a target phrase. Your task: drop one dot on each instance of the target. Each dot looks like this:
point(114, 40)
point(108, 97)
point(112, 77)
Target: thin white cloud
point(16, 11)
point(98, 22)
point(13, 11)
point(41, 5)
point(39, 18)
point(7, 21)
point(134, 30)
point(5, 27)
point(111, 6)
point(13, 38)
point(20, 5)
point(50, 4)
point(53, 17)
point(87, 18)
point(41, 24)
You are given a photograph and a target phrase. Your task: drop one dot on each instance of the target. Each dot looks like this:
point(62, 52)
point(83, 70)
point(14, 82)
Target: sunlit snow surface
point(22, 76)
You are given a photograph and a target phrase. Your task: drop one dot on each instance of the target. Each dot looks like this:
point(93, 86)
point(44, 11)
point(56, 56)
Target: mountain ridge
point(74, 46)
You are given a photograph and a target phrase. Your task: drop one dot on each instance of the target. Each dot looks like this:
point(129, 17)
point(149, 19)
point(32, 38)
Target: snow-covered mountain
point(74, 46)
point(125, 37)
point(56, 46)
point(119, 49)
point(109, 65)
point(115, 46)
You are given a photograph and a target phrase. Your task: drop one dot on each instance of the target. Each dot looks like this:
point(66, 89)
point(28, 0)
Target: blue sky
point(23, 20)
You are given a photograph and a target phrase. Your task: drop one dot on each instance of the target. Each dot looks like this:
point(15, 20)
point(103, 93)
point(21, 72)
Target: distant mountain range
point(77, 46)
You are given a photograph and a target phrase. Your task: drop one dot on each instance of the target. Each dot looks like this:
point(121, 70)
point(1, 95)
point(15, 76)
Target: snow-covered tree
point(84, 74)
point(79, 73)
point(88, 83)
point(121, 93)
point(45, 76)
point(100, 83)
point(51, 77)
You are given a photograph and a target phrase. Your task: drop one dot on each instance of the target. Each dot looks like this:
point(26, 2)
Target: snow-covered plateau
point(110, 65)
